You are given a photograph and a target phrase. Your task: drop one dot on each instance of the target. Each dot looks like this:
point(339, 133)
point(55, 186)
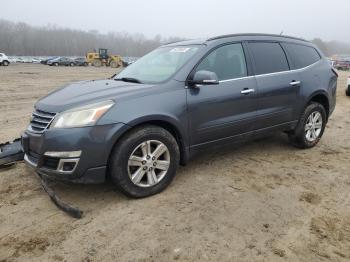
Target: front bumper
point(79, 155)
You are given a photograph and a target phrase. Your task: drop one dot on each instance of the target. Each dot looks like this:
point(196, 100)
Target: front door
point(225, 110)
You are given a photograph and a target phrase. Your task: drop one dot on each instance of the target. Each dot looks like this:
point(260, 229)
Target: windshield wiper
point(128, 79)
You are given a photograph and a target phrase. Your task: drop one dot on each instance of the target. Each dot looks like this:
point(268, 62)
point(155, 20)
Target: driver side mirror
point(204, 77)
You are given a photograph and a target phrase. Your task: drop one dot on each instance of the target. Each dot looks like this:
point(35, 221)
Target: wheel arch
point(168, 124)
point(322, 98)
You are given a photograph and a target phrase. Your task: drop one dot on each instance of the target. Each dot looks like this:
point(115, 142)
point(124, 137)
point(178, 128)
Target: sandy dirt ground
point(261, 201)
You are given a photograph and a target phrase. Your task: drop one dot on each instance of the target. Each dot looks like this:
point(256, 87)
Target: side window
point(228, 62)
point(301, 55)
point(268, 57)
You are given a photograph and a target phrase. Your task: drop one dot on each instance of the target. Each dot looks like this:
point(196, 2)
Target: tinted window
point(160, 64)
point(268, 58)
point(302, 56)
point(228, 62)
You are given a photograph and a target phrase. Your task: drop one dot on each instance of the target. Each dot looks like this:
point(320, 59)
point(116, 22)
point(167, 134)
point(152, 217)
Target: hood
point(87, 92)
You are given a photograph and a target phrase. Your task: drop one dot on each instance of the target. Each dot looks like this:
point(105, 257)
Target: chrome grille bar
point(40, 121)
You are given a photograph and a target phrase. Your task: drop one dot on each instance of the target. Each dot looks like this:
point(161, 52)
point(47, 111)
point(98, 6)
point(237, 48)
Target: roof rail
point(254, 34)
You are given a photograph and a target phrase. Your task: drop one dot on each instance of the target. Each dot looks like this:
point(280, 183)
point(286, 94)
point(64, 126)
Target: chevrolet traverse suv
point(139, 125)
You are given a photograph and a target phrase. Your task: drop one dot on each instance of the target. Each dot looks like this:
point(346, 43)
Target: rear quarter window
point(268, 57)
point(301, 55)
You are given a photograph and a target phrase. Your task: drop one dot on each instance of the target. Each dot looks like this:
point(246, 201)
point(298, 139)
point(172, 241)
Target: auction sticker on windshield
point(180, 49)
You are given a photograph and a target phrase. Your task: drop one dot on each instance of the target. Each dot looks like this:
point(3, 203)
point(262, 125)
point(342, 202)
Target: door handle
point(247, 91)
point(295, 83)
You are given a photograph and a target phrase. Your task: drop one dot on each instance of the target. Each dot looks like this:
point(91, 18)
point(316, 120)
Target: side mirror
point(204, 77)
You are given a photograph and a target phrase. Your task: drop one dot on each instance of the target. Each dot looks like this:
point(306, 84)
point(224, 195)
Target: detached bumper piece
point(11, 152)
point(70, 210)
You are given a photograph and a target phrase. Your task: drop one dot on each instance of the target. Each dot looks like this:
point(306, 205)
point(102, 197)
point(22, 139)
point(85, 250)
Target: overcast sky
point(327, 19)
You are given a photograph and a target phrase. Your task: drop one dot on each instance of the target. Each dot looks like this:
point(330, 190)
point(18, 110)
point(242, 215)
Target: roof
point(250, 35)
point(255, 34)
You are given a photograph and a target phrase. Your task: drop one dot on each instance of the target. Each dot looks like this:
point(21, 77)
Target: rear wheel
point(310, 127)
point(71, 64)
point(55, 64)
point(145, 161)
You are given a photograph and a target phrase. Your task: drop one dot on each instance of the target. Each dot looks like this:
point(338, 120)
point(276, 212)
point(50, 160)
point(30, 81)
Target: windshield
point(159, 65)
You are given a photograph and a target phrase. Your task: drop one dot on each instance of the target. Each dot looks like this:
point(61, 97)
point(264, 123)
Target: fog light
point(67, 165)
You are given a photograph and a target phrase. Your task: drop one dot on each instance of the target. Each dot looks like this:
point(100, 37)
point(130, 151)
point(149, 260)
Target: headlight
point(81, 116)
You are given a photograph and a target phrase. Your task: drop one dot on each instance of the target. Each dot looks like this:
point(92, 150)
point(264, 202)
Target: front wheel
point(113, 64)
point(145, 161)
point(347, 92)
point(97, 63)
point(5, 63)
point(310, 127)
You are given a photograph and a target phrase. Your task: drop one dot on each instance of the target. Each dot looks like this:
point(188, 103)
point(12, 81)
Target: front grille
point(40, 121)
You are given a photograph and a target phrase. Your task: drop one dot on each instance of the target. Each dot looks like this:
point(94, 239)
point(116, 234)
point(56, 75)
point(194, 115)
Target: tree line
point(23, 39)
point(332, 47)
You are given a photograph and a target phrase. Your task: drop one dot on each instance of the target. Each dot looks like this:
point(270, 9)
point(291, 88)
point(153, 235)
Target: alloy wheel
point(148, 164)
point(313, 126)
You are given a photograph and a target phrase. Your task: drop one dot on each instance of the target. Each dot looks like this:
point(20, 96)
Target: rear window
point(268, 57)
point(301, 55)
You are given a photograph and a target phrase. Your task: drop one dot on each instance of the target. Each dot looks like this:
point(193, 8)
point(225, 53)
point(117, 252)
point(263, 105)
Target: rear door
point(277, 85)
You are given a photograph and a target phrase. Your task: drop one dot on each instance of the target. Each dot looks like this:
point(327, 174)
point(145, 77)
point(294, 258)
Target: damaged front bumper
point(78, 155)
point(12, 152)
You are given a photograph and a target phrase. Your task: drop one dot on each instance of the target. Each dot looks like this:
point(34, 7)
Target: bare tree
point(23, 39)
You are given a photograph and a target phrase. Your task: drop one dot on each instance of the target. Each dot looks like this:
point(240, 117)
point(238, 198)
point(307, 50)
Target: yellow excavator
point(102, 57)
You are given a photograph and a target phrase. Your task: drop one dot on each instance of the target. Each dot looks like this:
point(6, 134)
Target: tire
point(347, 92)
point(97, 63)
point(299, 137)
point(85, 64)
point(133, 144)
point(55, 64)
point(5, 63)
point(71, 64)
point(113, 64)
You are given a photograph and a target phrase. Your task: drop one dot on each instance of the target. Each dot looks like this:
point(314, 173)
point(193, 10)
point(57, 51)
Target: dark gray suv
point(139, 125)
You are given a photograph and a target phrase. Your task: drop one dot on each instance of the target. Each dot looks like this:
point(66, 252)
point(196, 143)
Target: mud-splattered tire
point(136, 165)
point(309, 132)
